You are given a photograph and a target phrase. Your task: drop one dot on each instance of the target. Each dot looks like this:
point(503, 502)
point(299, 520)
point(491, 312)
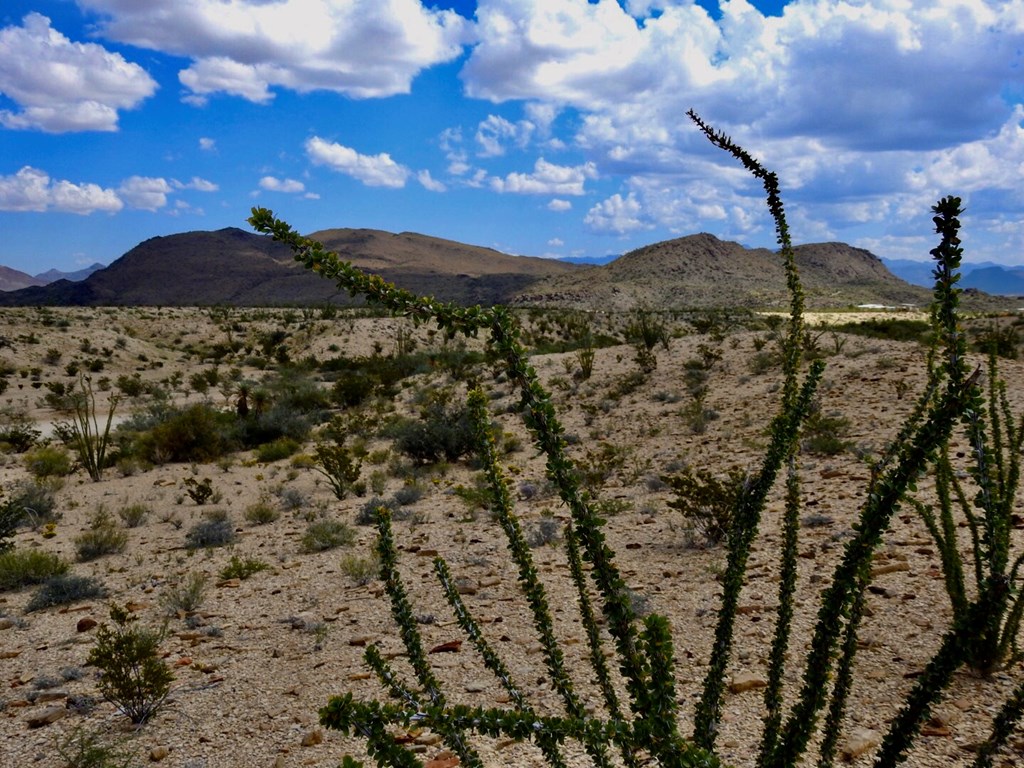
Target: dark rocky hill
point(231, 266)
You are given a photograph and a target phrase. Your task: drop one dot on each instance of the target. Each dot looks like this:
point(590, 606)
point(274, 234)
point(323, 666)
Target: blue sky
point(539, 127)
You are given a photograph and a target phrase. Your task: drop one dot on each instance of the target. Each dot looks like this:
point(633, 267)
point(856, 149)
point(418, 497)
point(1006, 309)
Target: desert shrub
point(889, 329)
point(48, 461)
point(18, 435)
point(103, 537)
point(340, 465)
point(26, 567)
point(215, 531)
point(999, 340)
point(409, 493)
point(63, 589)
point(442, 432)
point(278, 449)
point(30, 503)
point(706, 501)
point(200, 491)
point(367, 513)
point(326, 534)
point(823, 432)
point(89, 434)
point(545, 531)
point(238, 568)
point(262, 512)
point(185, 598)
point(133, 515)
point(292, 499)
point(359, 570)
point(198, 433)
point(93, 749)
point(281, 421)
point(135, 677)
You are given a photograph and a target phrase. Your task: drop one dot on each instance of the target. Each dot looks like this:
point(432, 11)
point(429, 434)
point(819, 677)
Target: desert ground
point(258, 657)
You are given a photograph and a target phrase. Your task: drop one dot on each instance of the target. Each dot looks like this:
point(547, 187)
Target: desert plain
point(259, 656)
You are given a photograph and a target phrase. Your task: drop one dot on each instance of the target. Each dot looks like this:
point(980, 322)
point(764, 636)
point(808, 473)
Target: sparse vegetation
point(215, 530)
point(103, 537)
point(26, 567)
point(63, 589)
point(325, 534)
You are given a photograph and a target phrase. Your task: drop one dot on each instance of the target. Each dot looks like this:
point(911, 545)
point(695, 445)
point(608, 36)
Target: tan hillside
point(701, 271)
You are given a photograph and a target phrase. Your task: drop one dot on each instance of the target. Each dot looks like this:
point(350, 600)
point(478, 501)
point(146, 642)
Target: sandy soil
point(263, 654)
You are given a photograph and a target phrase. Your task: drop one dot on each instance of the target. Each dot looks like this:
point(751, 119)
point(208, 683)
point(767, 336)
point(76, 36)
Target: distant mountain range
point(12, 279)
point(987, 276)
point(232, 266)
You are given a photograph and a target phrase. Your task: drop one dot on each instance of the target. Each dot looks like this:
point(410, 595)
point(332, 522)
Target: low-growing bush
point(103, 537)
point(326, 534)
point(133, 515)
point(31, 503)
point(238, 568)
point(367, 513)
point(93, 749)
point(442, 432)
point(135, 677)
point(215, 531)
point(706, 501)
point(359, 570)
point(262, 512)
point(48, 461)
point(278, 449)
point(63, 589)
point(186, 597)
point(25, 567)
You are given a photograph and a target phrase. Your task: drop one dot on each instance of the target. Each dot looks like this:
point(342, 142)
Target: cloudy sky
point(540, 127)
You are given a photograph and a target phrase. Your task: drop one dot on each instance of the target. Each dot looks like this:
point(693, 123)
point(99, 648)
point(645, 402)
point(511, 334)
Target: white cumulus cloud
point(61, 86)
point(547, 179)
point(144, 192)
point(31, 189)
point(361, 48)
point(493, 133)
point(372, 170)
point(559, 206)
point(273, 184)
point(617, 215)
point(429, 182)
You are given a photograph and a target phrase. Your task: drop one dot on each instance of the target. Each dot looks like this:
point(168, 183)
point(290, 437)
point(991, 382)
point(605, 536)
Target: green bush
point(133, 515)
point(442, 432)
point(215, 531)
point(278, 449)
point(84, 749)
point(322, 535)
point(25, 567)
point(185, 598)
point(199, 433)
point(237, 568)
point(48, 461)
point(19, 435)
point(135, 677)
point(340, 465)
point(262, 512)
point(103, 537)
point(63, 589)
point(706, 501)
point(30, 503)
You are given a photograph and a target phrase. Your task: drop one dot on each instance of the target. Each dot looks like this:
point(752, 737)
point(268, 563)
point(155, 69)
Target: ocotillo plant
point(640, 722)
